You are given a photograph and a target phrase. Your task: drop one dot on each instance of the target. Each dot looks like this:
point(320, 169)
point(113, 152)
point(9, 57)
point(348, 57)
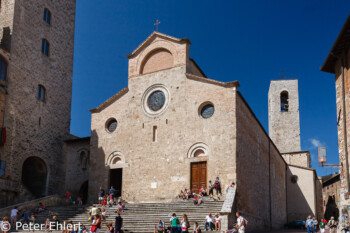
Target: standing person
point(185, 224)
point(101, 194)
point(332, 225)
point(315, 224)
point(118, 223)
point(240, 223)
point(322, 226)
point(174, 221)
point(14, 213)
point(93, 212)
point(111, 193)
point(25, 216)
point(218, 187)
point(211, 189)
point(309, 224)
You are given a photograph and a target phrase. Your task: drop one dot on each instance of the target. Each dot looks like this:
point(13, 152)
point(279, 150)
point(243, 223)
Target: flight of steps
point(138, 217)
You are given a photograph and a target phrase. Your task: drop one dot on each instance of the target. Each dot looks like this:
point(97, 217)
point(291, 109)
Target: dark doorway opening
point(83, 192)
point(198, 176)
point(332, 209)
point(115, 180)
point(34, 175)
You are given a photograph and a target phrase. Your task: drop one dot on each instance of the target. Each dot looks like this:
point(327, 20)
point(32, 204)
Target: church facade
point(174, 128)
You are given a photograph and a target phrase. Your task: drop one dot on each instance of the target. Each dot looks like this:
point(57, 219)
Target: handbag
point(93, 228)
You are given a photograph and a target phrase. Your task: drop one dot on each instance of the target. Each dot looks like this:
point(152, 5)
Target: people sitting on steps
point(159, 227)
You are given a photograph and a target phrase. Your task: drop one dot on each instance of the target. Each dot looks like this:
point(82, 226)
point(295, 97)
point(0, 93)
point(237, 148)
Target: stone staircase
point(138, 217)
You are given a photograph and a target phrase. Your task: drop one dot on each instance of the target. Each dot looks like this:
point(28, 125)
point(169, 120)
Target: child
point(104, 201)
point(79, 201)
point(32, 221)
point(110, 228)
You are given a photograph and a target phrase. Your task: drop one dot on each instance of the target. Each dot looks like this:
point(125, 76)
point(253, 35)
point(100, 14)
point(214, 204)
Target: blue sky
point(248, 41)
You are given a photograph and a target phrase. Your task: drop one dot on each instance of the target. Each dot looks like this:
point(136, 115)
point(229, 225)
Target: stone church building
point(174, 128)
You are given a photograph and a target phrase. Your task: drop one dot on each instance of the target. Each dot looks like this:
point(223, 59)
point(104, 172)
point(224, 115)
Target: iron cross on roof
point(282, 75)
point(157, 23)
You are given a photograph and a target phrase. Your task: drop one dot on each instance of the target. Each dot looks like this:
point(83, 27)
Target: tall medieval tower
point(36, 66)
point(284, 125)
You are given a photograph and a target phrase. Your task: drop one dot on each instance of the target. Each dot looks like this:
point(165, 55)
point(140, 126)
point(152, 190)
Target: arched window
point(41, 93)
point(284, 101)
point(47, 16)
point(3, 68)
point(45, 47)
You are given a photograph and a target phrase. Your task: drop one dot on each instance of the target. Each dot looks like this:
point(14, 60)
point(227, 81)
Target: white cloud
point(316, 143)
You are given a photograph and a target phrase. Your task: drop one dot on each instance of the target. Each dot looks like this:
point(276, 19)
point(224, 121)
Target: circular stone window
point(207, 111)
point(155, 100)
point(294, 179)
point(111, 125)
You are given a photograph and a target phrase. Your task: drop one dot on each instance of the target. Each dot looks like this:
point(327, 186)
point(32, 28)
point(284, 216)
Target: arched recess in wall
point(158, 59)
point(84, 156)
point(116, 160)
point(198, 150)
point(34, 176)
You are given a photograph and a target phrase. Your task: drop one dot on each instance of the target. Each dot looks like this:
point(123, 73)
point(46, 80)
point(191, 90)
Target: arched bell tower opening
point(34, 176)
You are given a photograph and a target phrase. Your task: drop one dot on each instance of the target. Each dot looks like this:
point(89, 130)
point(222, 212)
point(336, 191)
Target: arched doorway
point(34, 175)
point(83, 192)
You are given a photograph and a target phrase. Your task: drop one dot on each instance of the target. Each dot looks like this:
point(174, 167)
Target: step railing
point(52, 200)
point(227, 209)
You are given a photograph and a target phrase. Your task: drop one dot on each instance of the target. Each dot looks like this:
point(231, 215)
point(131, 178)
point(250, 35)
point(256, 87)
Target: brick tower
point(36, 65)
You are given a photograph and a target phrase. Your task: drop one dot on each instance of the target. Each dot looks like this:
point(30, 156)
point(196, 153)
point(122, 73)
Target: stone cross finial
point(157, 23)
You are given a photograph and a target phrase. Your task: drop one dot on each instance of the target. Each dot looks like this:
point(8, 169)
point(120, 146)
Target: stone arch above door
point(35, 175)
point(116, 160)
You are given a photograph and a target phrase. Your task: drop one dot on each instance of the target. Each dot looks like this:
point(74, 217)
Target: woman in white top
point(217, 222)
point(185, 225)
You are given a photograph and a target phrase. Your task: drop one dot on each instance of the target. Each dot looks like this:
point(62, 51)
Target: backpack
point(245, 223)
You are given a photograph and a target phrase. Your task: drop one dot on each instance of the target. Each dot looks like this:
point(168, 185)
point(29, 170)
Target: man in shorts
point(101, 194)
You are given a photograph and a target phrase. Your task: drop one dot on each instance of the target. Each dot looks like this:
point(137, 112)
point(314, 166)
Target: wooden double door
point(198, 176)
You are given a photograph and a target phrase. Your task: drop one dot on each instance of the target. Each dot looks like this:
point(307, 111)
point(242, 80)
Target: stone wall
point(301, 194)
point(6, 23)
point(284, 127)
point(261, 173)
point(300, 158)
point(344, 198)
point(164, 164)
point(76, 153)
point(37, 128)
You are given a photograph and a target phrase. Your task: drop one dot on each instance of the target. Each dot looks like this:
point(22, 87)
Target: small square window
point(47, 16)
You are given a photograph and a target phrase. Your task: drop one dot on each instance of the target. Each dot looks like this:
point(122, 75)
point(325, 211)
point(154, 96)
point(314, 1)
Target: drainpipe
point(344, 121)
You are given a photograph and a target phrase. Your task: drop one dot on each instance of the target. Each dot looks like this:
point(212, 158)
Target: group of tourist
point(183, 226)
point(312, 225)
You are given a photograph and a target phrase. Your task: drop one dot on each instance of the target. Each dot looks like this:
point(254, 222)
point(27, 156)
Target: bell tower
point(284, 123)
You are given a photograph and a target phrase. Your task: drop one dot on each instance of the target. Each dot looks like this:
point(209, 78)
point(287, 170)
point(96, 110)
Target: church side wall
point(302, 194)
point(261, 200)
point(158, 170)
